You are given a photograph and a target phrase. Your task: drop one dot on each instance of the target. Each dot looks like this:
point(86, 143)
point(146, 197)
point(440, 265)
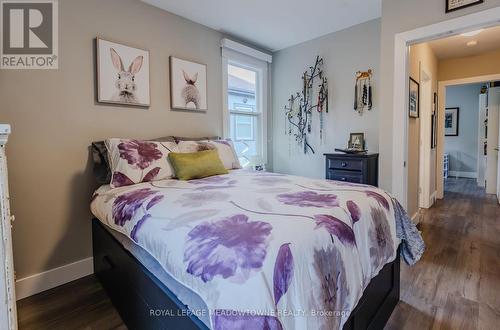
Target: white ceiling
point(456, 46)
point(274, 24)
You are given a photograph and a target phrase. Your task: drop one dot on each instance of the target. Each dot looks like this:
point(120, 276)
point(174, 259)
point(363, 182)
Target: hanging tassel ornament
point(370, 103)
point(364, 99)
point(322, 104)
point(356, 96)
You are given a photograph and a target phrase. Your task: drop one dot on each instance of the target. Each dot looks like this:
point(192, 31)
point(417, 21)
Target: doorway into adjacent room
point(447, 96)
point(454, 134)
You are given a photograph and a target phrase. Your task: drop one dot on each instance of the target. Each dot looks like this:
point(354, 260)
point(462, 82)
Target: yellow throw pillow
point(196, 165)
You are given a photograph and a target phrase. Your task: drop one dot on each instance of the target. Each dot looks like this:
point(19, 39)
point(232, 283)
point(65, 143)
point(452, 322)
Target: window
point(243, 129)
point(245, 104)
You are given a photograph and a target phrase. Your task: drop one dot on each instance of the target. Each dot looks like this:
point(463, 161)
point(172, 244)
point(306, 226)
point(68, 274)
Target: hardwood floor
point(456, 285)
point(81, 304)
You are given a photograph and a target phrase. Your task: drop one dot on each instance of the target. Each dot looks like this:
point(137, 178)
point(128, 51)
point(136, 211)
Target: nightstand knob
point(343, 164)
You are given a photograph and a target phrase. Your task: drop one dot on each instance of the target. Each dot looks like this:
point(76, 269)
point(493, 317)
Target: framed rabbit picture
point(188, 85)
point(122, 74)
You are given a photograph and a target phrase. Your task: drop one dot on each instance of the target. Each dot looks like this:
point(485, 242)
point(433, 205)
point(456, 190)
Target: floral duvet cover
point(263, 250)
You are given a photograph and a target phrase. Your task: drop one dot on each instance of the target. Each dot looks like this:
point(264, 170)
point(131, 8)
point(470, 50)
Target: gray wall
point(344, 53)
point(463, 148)
point(399, 16)
point(54, 118)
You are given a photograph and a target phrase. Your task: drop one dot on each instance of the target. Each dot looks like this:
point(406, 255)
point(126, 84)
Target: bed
point(251, 250)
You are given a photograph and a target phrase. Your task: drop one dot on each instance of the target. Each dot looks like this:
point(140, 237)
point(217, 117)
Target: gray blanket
point(412, 244)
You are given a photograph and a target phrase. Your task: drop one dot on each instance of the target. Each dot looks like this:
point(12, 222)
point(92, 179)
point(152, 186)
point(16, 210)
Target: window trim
point(229, 56)
point(241, 106)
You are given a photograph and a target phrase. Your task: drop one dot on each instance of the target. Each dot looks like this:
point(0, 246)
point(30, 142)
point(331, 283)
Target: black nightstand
point(356, 168)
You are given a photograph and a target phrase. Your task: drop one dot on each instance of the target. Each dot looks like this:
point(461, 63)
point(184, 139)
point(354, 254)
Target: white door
point(426, 154)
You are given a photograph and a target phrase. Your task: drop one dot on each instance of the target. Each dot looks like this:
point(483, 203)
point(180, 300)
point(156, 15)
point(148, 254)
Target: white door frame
point(440, 124)
point(8, 312)
point(486, 18)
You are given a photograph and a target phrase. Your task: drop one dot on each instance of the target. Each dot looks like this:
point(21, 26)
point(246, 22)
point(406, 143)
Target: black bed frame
point(146, 303)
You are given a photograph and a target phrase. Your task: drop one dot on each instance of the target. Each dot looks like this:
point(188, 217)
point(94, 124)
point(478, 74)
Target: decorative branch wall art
point(363, 91)
point(301, 106)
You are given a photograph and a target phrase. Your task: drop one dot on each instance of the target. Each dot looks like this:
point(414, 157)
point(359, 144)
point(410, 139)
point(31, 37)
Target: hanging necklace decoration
point(300, 108)
point(363, 91)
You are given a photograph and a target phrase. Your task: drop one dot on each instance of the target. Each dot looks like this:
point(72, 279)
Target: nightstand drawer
point(345, 164)
point(347, 176)
point(355, 168)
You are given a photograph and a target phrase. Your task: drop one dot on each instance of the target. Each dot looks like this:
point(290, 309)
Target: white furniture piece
point(497, 149)
point(493, 136)
point(481, 140)
point(446, 165)
point(8, 313)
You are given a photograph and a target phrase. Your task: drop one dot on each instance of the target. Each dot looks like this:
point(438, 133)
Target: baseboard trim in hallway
point(462, 174)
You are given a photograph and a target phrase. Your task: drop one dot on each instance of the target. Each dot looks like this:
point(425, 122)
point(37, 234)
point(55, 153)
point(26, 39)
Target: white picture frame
point(122, 74)
point(188, 85)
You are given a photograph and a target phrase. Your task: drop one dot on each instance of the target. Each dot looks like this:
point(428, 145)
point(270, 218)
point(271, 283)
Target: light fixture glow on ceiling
point(471, 33)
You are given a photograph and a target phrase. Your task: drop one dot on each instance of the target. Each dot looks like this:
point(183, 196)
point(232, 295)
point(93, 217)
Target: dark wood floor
point(456, 285)
point(81, 304)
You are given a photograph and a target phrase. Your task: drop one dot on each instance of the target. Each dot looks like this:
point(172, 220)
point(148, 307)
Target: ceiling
point(456, 46)
point(274, 24)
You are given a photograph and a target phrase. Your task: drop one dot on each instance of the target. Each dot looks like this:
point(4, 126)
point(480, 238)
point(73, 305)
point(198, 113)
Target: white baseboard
point(460, 174)
point(415, 218)
point(37, 283)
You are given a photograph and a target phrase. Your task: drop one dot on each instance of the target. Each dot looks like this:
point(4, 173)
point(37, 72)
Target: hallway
point(456, 285)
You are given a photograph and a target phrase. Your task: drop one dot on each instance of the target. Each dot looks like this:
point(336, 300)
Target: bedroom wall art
point(188, 85)
point(452, 5)
point(122, 74)
point(363, 93)
point(302, 105)
point(451, 120)
point(414, 98)
point(434, 117)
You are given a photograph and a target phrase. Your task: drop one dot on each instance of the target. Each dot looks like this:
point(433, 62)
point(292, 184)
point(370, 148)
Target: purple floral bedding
point(268, 250)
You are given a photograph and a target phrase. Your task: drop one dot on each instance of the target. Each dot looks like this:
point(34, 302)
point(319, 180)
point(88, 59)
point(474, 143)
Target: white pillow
point(225, 149)
point(135, 161)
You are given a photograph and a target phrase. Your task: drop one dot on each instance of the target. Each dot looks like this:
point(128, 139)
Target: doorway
point(465, 141)
point(467, 23)
point(488, 135)
point(457, 227)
